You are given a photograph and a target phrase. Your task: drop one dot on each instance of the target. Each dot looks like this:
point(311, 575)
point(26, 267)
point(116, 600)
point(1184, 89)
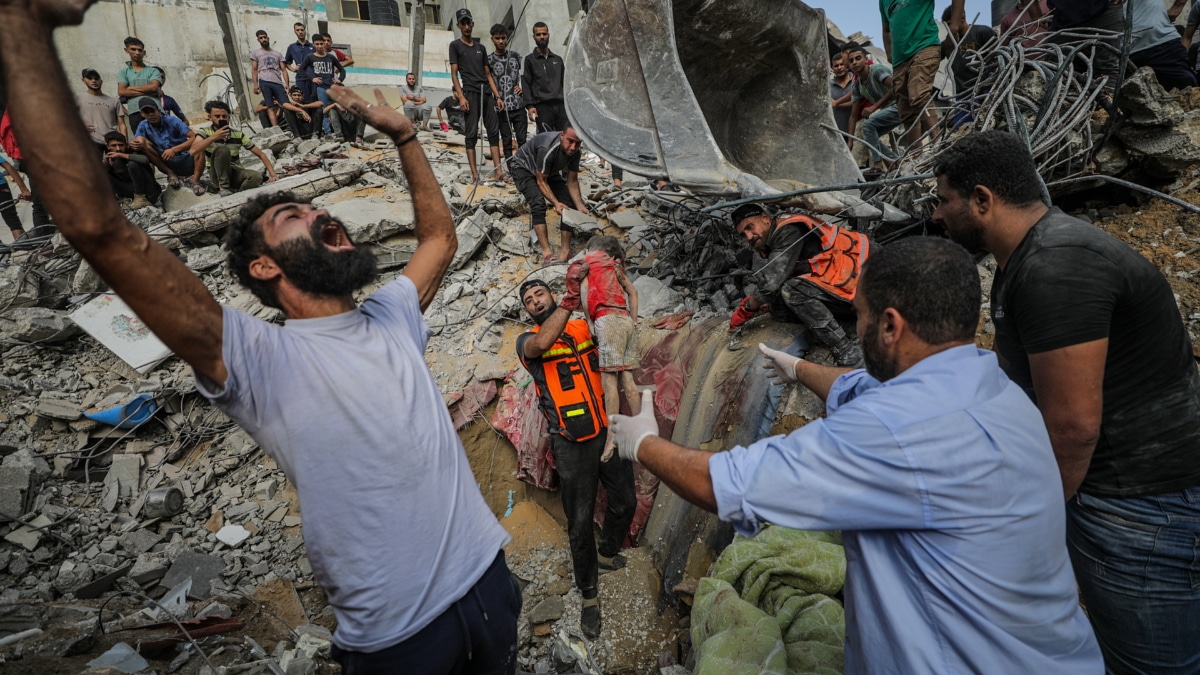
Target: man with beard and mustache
point(562, 357)
point(1092, 332)
point(542, 84)
point(809, 270)
point(933, 465)
point(395, 527)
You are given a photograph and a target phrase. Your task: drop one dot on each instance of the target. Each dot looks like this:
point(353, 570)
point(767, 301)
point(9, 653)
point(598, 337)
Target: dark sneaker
point(609, 564)
point(589, 621)
point(847, 354)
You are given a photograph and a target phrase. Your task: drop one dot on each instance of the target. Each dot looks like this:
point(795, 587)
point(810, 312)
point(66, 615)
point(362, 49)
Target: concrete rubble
point(72, 489)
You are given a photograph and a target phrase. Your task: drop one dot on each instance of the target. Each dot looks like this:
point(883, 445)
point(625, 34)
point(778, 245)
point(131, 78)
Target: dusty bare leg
point(543, 237)
point(631, 393)
point(612, 406)
point(499, 174)
point(565, 253)
point(471, 163)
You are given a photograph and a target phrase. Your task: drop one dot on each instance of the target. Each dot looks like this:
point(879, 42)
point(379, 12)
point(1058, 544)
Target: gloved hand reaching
point(630, 431)
point(576, 273)
point(780, 366)
point(742, 314)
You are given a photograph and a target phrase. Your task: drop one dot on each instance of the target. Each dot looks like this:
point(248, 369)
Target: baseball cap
point(462, 15)
point(147, 102)
point(532, 283)
point(90, 72)
point(745, 211)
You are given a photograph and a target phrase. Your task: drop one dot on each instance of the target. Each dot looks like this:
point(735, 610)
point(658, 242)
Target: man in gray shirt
point(395, 527)
point(416, 104)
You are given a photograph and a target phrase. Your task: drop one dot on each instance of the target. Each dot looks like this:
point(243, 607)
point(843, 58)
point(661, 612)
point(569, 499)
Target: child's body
point(611, 306)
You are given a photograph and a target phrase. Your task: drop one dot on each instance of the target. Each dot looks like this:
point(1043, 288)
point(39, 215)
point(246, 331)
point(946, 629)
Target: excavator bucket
point(722, 97)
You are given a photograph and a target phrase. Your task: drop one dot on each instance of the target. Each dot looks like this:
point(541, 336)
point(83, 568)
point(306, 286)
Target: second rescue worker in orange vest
point(562, 357)
point(809, 272)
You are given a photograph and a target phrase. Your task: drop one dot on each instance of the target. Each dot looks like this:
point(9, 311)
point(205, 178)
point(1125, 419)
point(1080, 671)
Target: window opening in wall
point(355, 10)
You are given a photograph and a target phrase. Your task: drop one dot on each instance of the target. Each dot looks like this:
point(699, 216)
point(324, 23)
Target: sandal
point(173, 181)
point(198, 189)
point(548, 259)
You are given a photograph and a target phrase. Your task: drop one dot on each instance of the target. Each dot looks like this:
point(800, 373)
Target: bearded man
point(395, 527)
point(935, 467)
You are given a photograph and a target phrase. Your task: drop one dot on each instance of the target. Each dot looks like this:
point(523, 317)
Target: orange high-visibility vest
point(837, 267)
point(567, 377)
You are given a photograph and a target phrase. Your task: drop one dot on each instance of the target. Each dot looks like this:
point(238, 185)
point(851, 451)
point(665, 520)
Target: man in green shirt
point(136, 80)
point(219, 146)
point(910, 36)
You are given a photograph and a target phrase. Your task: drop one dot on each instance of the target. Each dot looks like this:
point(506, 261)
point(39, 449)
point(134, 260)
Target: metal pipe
point(814, 190)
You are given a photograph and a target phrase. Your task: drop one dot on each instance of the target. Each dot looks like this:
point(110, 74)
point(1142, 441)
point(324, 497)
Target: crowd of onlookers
point(871, 99)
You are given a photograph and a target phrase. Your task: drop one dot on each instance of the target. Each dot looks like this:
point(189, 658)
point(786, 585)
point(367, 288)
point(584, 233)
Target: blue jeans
point(1137, 561)
point(323, 97)
point(875, 126)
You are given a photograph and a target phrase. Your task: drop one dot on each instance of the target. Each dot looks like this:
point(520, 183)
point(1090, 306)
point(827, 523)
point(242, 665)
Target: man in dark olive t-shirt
point(1090, 329)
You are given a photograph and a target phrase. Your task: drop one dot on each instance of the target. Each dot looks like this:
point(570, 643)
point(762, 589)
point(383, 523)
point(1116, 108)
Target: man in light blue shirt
point(937, 469)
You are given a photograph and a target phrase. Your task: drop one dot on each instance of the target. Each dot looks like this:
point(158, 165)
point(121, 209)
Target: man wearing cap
point(101, 113)
point(165, 140)
point(561, 356)
point(809, 270)
point(477, 93)
point(268, 74)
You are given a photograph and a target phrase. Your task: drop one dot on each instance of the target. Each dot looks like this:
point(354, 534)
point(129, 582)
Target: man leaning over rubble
point(396, 529)
point(546, 169)
point(811, 269)
point(933, 465)
point(1092, 332)
point(562, 357)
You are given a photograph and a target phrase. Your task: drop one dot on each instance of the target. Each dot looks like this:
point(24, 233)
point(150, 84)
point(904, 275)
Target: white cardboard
point(108, 319)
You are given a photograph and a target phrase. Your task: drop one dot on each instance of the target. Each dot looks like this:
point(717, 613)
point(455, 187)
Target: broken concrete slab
point(37, 324)
point(19, 287)
point(579, 221)
point(205, 258)
point(550, 609)
point(19, 617)
point(21, 473)
point(148, 567)
point(57, 409)
point(201, 568)
point(370, 218)
point(472, 231)
point(655, 297)
point(72, 576)
point(232, 535)
point(1146, 103)
point(27, 537)
point(627, 219)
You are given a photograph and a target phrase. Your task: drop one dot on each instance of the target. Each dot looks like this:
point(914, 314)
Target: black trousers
point(40, 215)
point(579, 471)
point(141, 180)
point(552, 116)
point(477, 634)
point(512, 125)
point(800, 300)
point(482, 103)
point(8, 207)
point(300, 128)
point(527, 185)
point(1170, 63)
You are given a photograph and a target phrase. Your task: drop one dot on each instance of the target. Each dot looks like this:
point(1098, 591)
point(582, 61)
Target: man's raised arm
point(154, 282)
point(436, 240)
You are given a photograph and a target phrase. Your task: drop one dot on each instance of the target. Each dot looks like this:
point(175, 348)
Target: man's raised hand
point(50, 12)
point(379, 115)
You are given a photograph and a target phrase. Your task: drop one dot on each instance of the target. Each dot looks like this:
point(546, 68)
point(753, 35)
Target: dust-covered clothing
point(102, 113)
point(395, 526)
point(786, 253)
point(544, 154)
point(616, 339)
point(912, 26)
point(605, 292)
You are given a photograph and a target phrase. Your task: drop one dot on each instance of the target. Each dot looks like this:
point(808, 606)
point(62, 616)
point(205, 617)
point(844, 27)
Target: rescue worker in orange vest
point(809, 272)
point(562, 357)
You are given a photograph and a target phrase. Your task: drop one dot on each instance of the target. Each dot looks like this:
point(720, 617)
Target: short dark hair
point(946, 13)
point(295, 90)
point(131, 41)
point(835, 56)
point(541, 24)
point(218, 105)
point(244, 242)
point(607, 244)
point(996, 160)
point(851, 47)
point(299, 24)
point(318, 36)
point(499, 29)
point(932, 282)
point(115, 136)
point(259, 32)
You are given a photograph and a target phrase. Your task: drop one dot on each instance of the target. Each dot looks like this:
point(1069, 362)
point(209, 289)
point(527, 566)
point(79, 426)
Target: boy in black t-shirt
point(477, 93)
point(324, 71)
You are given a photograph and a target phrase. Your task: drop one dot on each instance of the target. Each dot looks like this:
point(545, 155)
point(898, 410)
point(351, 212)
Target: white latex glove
point(631, 431)
point(780, 366)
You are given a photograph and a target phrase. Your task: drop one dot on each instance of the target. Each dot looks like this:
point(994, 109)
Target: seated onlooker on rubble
point(416, 104)
point(101, 113)
point(872, 85)
point(1028, 22)
point(219, 145)
point(8, 203)
point(964, 65)
point(303, 117)
point(1156, 44)
point(165, 140)
point(455, 117)
point(265, 113)
point(129, 172)
point(346, 124)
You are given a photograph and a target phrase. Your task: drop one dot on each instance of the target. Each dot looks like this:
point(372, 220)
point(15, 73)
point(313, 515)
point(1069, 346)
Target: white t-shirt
point(395, 526)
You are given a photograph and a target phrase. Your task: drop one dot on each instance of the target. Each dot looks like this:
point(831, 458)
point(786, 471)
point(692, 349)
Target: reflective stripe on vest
point(837, 267)
point(567, 377)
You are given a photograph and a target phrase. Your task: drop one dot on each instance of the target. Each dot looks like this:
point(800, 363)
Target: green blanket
point(768, 606)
